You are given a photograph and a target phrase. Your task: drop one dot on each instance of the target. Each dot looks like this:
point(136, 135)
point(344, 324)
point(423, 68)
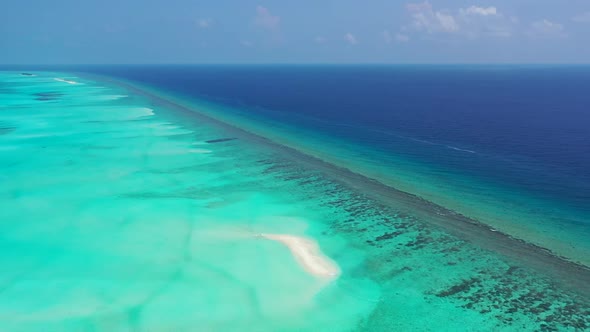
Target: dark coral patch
point(5, 128)
point(219, 140)
point(462, 287)
point(45, 96)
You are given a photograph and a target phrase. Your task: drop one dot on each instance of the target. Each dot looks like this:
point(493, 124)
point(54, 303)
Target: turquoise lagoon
point(116, 214)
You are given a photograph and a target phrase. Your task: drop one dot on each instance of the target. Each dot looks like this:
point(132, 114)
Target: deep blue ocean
point(526, 127)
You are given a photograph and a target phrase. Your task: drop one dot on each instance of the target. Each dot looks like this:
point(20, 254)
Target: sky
point(303, 31)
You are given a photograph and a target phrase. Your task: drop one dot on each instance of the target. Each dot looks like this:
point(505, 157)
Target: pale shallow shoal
point(308, 254)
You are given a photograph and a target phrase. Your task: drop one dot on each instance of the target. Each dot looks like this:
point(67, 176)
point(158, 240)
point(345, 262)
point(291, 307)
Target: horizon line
point(305, 64)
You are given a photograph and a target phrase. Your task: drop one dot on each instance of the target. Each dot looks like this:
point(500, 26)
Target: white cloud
point(473, 10)
point(447, 22)
point(582, 18)
point(424, 18)
point(204, 23)
point(402, 38)
point(350, 38)
point(546, 28)
point(546, 25)
point(419, 7)
point(265, 19)
point(471, 22)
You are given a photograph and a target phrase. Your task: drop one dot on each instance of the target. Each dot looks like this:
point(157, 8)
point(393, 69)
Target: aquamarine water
point(117, 215)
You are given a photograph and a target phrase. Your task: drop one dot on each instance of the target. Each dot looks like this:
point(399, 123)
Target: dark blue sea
point(535, 121)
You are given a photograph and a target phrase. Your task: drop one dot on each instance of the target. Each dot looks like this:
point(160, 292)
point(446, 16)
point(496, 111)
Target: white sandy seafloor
point(117, 215)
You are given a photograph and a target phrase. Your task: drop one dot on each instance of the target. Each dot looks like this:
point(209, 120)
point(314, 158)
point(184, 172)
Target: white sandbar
point(308, 254)
point(65, 81)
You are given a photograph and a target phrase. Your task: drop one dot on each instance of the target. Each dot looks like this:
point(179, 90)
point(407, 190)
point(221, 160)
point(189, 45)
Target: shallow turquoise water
point(118, 216)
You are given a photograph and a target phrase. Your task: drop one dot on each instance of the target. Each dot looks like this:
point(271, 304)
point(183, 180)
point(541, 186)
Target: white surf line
point(65, 81)
point(459, 149)
point(308, 254)
point(201, 151)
